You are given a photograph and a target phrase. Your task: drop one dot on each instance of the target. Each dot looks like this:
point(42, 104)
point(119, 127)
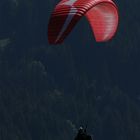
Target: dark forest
point(47, 92)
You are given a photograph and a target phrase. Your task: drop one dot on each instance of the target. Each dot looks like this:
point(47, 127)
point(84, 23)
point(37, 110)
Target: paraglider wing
point(101, 14)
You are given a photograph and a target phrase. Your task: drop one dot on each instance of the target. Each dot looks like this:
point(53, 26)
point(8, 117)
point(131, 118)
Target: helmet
point(81, 128)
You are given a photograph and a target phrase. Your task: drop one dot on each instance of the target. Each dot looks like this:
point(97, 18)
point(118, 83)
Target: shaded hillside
point(47, 92)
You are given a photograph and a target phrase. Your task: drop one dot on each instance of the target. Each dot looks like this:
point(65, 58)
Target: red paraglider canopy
point(101, 14)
